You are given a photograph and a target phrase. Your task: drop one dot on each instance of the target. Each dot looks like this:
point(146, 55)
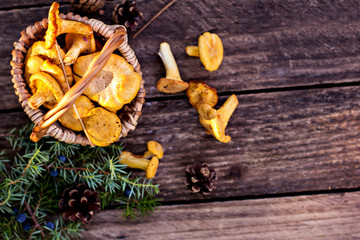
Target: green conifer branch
point(27, 167)
point(33, 179)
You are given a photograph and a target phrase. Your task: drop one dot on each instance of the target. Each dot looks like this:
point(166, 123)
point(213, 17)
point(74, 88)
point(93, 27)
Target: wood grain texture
point(282, 142)
point(8, 121)
point(6, 5)
point(334, 216)
point(272, 44)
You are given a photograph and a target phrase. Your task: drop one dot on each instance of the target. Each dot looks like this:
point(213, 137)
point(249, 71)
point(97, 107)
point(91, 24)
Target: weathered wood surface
point(272, 44)
point(334, 216)
point(9, 5)
point(285, 141)
point(282, 142)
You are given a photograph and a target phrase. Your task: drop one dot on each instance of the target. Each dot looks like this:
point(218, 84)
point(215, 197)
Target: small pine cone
point(200, 178)
point(88, 6)
point(79, 203)
point(126, 14)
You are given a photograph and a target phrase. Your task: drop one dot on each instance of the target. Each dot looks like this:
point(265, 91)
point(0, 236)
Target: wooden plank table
point(292, 169)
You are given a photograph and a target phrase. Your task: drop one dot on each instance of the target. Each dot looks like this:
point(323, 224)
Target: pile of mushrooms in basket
point(51, 71)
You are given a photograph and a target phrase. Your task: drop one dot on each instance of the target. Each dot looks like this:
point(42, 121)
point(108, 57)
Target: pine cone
point(88, 6)
point(79, 203)
point(200, 178)
point(126, 14)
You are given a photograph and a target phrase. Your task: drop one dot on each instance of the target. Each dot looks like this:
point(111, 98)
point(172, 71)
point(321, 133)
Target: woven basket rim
point(128, 115)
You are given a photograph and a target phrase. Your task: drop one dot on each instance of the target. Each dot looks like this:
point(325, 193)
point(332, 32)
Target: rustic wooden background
point(292, 169)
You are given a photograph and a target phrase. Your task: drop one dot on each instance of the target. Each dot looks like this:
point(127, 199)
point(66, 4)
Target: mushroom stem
point(192, 51)
point(77, 44)
point(227, 109)
point(134, 162)
point(37, 99)
point(171, 68)
point(172, 83)
point(149, 166)
point(68, 26)
point(73, 53)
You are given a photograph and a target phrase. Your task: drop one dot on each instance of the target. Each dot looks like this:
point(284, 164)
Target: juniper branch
point(31, 173)
point(37, 225)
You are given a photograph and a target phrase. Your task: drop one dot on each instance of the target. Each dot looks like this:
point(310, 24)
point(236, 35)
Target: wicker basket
point(128, 115)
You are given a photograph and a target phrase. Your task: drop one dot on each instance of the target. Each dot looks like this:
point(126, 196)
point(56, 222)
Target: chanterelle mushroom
point(215, 122)
point(210, 50)
point(57, 73)
point(38, 49)
point(59, 26)
point(116, 85)
point(132, 161)
point(154, 148)
point(46, 91)
point(103, 127)
point(200, 93)
point(32, 65)
point(77, 44)
point(172, 83)
point(71, 120)
point(203, 98)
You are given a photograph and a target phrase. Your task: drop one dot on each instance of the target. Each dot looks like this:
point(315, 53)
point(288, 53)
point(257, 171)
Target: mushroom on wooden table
point(209, 49)
point(172, 83)
point(133, 161)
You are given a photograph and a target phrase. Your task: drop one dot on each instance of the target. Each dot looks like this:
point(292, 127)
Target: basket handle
point(96, 65)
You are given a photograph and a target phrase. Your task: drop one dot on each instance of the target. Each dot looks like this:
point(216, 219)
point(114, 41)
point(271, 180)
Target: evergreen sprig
point(33, 178)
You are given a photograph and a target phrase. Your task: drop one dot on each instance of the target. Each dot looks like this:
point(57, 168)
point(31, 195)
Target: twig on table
point(37, 225)
point(38, 204)
point(153, 18)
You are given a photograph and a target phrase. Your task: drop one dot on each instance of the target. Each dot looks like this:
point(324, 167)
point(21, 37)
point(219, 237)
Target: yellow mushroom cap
point(39, 49)
point(32, 65)
point(155, 148)
point(211, 51)
point(152, 167)
point(46, 91)
point(56, 72)
point(116, 85)
point(201, 93)
point(70, 118)
point(103, 127)
point(167, 85)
